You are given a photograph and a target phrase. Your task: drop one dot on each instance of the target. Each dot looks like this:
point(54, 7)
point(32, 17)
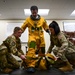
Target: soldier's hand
point(23, 57)
point(56, 58)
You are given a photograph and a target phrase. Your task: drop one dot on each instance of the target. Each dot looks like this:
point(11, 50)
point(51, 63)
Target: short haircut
point(17, 29)
point(55, 26)
point(34, 8)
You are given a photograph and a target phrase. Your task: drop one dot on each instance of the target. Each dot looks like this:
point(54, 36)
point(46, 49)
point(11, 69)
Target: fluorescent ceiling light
point(42, 12)
point(73, 13)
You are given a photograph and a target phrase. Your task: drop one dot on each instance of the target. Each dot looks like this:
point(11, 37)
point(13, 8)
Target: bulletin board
point(9, 31)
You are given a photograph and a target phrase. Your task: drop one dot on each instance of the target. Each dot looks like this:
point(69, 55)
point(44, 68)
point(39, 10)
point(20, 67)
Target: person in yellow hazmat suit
point(36, 24)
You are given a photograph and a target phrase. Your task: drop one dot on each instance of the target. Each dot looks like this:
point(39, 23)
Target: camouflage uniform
point(11, 45)
point(63, 47)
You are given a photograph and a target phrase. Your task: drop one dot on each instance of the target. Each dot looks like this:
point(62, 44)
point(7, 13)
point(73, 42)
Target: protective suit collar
point(35, 18)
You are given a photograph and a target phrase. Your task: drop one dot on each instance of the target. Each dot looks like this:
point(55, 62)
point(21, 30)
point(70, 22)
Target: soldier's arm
point(51, 46)
point(13, 49)
point(19, 46)
point(50, 49)
point(21, 51)
point(63, 41)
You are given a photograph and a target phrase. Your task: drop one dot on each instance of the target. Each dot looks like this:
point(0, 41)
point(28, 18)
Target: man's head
point(34, 10)
point(17, 31)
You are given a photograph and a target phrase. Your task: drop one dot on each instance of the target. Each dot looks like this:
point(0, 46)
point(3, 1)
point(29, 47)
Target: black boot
point(30, 70)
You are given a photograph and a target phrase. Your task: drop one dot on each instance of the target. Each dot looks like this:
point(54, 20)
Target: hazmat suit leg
point(42, 46)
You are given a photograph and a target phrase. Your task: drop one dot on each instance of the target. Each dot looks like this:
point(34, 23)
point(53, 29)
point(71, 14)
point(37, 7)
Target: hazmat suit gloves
point(48, 31)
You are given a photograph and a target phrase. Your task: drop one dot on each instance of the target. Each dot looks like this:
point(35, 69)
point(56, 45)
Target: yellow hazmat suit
point(36, 38)
point(44, 63)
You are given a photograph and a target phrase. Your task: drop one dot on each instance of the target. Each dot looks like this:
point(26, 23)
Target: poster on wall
point(9, 31)
point(69, 26)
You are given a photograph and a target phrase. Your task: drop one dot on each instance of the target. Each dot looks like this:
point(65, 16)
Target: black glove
point(48, 31)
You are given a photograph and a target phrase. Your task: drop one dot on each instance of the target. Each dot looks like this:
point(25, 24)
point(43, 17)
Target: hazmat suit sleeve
point(45, 26)
point(24, 25)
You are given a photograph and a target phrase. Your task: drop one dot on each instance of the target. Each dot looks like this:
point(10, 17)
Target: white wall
point(2, 31)
point(3, 28)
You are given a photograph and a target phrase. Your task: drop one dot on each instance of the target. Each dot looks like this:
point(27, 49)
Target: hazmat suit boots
point(67, 67)
point(30, 70)
point(6, 70)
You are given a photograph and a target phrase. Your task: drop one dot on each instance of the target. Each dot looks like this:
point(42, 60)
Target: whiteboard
point(10, 28)
point(68, 26)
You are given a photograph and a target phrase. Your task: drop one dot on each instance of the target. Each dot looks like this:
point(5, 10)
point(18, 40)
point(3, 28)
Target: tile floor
point(52, 71)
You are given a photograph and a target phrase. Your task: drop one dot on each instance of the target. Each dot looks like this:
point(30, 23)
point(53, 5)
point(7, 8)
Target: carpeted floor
point(52, 71)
